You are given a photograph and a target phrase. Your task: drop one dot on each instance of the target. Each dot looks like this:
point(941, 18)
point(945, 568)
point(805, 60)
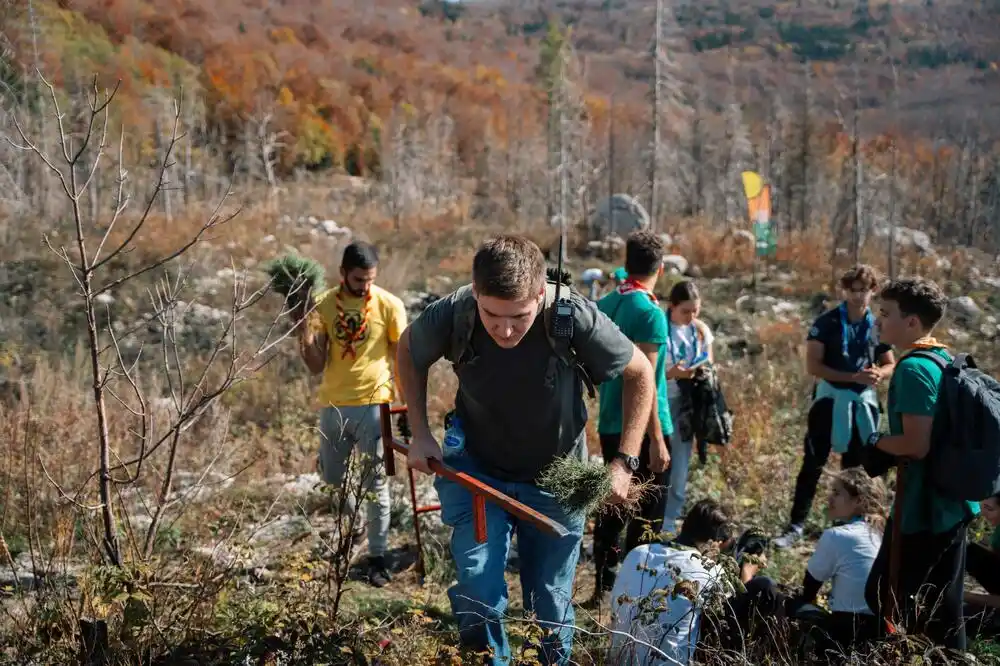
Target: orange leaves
point(490, 77)
point(240, 79)
point(283, 35)
point(285, 97)
point(326, 74)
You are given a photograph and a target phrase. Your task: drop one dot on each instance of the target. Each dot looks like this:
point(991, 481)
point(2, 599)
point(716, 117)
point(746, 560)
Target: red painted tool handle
point(479, 517)
point(480, 491)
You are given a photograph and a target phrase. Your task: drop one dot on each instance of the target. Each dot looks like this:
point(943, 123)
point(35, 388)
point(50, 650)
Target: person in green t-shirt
point(983, 564)
point(635, 310)
point(933, 529)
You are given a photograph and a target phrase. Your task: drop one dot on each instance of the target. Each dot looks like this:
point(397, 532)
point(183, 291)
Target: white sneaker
point(791, 535)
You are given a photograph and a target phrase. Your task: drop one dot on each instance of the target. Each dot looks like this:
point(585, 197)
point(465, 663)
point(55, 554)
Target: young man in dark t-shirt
point(520, 406)
point(844, 355)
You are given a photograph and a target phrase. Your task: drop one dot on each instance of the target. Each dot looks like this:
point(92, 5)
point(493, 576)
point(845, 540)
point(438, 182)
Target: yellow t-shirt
point(364, 378)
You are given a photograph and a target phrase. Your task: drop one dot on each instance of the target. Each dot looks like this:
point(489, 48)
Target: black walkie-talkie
point(562, 309)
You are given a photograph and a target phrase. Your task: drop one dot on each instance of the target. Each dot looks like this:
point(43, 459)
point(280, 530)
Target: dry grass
point(267, 427)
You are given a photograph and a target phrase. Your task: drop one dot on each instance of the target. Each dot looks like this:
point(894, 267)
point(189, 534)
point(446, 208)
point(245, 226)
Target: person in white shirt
point(844, 557)
point(689, 342)
point(660, 594)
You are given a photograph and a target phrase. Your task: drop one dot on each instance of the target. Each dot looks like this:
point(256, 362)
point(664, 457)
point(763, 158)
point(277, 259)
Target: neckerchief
point(926, 342)
point(670, 340)
point(630, 284)
point(868, 323)
point(351, 338)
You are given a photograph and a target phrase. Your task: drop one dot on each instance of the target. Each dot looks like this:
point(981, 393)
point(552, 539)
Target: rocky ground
point(260, 512)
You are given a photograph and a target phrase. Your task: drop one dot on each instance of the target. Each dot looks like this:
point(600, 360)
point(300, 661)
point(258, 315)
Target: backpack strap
point(463, 324)
point(929, 355)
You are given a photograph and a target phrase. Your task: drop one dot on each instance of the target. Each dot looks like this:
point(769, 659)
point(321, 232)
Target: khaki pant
point(358, 429)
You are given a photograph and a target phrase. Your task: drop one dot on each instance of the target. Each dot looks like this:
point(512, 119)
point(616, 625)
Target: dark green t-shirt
point(643, 322)
point(914, 390)
point(522, 407)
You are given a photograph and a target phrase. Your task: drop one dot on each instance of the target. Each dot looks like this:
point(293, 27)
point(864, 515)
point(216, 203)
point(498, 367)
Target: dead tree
point(671, 117)
point(98, 263)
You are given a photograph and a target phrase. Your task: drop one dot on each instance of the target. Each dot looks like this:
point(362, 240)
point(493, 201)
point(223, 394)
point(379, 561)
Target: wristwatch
point(631, 462)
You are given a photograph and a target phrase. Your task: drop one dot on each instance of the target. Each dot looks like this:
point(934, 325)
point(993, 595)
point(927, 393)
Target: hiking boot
point(378, 573)
point(791, 535)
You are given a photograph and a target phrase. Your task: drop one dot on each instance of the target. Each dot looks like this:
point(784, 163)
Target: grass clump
point(296, 278)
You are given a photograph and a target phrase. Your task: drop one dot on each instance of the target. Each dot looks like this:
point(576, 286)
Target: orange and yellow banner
point(758, 195)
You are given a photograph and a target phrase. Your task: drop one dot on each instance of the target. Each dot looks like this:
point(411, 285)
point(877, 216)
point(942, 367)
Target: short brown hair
point(643, 253)
point(918, 297)
point(508, 266)
point(862, 273)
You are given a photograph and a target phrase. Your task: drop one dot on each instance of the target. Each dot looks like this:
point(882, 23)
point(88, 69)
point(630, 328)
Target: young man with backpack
point(635, 310)
point(519, 406)
point(354, 349)
point(932, 531)
point(846, 357)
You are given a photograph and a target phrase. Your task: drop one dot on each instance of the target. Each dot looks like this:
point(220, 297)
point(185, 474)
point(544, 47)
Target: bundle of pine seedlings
point(581, 486)
point(296, 278)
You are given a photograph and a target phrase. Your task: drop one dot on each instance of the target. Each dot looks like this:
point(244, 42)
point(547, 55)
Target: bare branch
point(215, 221)
point(165, 165)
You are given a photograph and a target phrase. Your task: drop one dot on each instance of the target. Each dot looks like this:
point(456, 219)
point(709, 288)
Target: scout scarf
point(926, 342)
point(868, 324)
point(344, 327)
point(630, 284)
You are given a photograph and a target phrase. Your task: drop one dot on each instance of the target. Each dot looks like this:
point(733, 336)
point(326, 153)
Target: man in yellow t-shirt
point(354, 348)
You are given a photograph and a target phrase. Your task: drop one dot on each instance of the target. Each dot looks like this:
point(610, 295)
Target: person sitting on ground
point(983, 564)
point(844, 556)
point(689, 340)
point(934, 528)
point(662, 591)
point(355, 351)
point(847, 360)
point(635, 310)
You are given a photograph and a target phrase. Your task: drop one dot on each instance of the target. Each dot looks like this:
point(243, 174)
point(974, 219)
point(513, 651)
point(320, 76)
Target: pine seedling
point(296, 278)
point(580, 486)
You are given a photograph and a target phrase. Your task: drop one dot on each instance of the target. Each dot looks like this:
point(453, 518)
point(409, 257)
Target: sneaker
point(378, 573)
point(791, 535)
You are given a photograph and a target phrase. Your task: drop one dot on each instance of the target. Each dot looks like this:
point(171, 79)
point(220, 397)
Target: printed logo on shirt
point(348, 329)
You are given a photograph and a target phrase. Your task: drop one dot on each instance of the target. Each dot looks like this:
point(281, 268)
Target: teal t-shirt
point(642, 321)
point(914, 390)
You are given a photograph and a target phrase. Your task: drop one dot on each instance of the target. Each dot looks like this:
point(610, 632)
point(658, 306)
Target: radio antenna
point(559, 261)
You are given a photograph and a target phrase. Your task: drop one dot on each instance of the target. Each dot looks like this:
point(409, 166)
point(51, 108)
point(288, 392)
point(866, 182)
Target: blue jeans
point(548, 566)
point(680, 463)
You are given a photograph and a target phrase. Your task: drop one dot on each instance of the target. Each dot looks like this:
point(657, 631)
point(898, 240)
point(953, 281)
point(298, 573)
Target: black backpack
point(964, 460)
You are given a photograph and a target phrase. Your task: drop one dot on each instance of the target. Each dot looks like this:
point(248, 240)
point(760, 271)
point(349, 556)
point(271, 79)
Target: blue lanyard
point(845, 326)
point(670, 339)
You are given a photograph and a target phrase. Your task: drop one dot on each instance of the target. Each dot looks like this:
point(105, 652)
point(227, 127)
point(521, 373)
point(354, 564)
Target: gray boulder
point(619, 215)
point(964, 309)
